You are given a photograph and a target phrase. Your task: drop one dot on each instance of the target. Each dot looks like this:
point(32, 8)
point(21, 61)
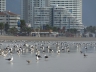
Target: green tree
point(1, 27)
point(13, 30)
point(28, 29)
point(24, 29)
point(68, 30)
point(55, 29)
point(72, 30)
point(85, 30)
point(6, 27)
point(63, 29)
point(91, 29)
point(22, 24)
point(48, 27)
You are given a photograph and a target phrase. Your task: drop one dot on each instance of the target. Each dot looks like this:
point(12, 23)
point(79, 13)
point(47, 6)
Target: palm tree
point(28, 29)
point(22, 24)
point(75, 30)
point(1, 27)
point(91, 29)
point(13, 30)
point(55, 29)
point(47, 27)
point(6, 27)
point(24, 29)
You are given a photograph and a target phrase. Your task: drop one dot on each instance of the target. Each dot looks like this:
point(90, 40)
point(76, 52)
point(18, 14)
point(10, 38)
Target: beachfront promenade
point(47, 38)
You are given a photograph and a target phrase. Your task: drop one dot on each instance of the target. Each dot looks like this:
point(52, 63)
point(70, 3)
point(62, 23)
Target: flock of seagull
point(8, 47)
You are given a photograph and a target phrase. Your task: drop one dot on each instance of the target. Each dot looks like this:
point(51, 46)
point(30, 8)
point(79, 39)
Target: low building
point(9, 18)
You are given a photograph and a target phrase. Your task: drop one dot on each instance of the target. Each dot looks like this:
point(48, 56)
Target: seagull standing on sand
point(28, 61)
point(10, 59)
point(46, 57)
point(37, 58)
point(85, 55)
point(58, 51)
point(81, 52)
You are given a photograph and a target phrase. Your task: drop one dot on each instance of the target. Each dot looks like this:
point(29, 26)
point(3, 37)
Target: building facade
point(73, 6)
point(59, 13)
point(27, 8)
point(42, 16)
point(2, 5)
point(9, 18)
point(55, 16)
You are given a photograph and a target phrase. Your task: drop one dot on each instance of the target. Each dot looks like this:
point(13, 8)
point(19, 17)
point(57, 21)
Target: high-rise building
point(42, 16)
point(55, 16)
point(27, 8)
point(2, 5)
point(67, 13)
point(74, 7)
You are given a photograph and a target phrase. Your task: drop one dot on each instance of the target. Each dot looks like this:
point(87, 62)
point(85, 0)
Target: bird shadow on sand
point(29, 64)
point(46, 60)
point(11, 63)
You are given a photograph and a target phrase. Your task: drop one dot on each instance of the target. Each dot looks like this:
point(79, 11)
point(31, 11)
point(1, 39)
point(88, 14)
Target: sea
point(72, 61)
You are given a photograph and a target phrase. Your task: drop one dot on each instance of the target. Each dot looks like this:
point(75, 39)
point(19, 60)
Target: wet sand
point(47, 38)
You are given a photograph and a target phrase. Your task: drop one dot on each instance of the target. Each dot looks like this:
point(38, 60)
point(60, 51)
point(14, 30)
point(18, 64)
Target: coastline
point(47, 38)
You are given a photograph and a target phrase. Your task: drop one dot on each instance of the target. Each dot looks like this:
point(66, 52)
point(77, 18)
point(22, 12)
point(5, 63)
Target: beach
point(22, 51)
point(47, 38)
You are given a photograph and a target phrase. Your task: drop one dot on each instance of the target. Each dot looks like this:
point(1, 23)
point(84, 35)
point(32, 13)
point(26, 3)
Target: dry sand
point(46, 38)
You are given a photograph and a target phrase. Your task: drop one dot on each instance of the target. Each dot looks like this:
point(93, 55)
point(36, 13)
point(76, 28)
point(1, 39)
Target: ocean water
point(63, 62)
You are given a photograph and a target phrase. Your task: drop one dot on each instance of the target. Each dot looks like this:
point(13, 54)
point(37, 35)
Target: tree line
point(26, 29)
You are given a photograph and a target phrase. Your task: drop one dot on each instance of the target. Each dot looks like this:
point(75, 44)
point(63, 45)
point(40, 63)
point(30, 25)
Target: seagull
point(62, 48)
point(46, 56)
point(58, 51)
point(10, 59)
point(28, 61)
point(37, 58)
point(43, 51)
point(68, 50)
point(81, 52)
point(85, 55)
point(85, 47)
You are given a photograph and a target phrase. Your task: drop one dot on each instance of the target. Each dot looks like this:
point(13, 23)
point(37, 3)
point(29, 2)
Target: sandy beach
point(47, 38)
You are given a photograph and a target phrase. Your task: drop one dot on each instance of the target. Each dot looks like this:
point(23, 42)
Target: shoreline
point(47, 38)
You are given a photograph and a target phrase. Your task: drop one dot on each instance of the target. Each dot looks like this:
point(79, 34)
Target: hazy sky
point(89, 10)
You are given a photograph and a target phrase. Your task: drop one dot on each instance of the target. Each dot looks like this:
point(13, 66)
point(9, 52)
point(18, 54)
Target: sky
point(88, 10)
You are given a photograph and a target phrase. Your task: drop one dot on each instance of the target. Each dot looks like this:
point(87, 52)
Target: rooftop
point(7, 13)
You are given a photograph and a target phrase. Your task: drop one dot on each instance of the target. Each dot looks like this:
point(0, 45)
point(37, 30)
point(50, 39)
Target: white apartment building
point(55, 16)
point(67, 13)
point(27, 8)
point(42, 16)
point(10, 18)
point(2, 5)
point(73, 6)
point(63, 18)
